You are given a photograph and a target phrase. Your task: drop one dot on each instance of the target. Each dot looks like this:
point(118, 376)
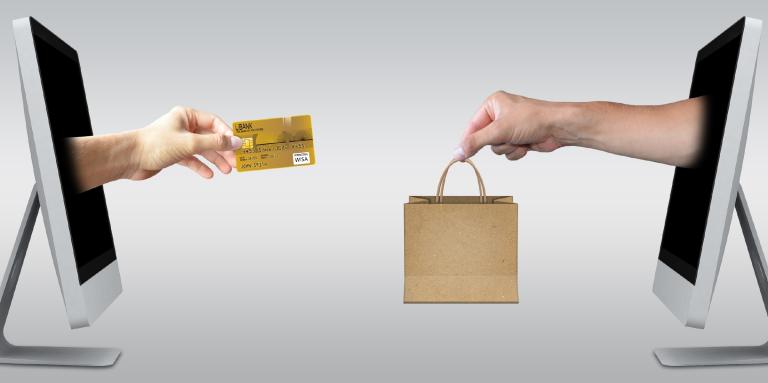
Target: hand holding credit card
point(274, 143)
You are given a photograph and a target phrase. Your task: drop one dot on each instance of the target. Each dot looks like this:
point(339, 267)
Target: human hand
point(512, 125)
point(178, 137)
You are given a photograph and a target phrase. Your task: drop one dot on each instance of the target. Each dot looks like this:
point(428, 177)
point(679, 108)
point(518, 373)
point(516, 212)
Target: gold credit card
point(274, 143)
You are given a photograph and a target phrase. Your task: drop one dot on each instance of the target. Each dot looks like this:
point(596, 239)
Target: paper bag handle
point(441, 184)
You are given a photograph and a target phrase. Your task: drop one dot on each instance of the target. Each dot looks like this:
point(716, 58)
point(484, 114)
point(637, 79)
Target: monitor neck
point(11, 278)
point(39, 355)
point(753, 245)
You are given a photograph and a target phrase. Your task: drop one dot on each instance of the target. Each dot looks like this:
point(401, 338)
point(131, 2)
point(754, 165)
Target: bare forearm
point(513, 125)
point(102, 159)
point(177, 137)
point(669, 133)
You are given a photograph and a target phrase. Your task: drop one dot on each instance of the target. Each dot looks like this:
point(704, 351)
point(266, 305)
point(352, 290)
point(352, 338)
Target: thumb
point(472, 143)
point(217, 142)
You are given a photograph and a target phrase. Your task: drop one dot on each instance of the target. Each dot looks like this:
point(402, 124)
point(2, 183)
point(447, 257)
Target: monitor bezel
point(687, 301)
point(85, 302)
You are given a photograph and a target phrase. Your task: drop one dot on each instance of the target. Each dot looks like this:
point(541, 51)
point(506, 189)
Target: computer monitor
point(704, 196)
point(76, 222)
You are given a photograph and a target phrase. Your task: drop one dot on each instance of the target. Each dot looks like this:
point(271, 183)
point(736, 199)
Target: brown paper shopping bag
point(460, 249)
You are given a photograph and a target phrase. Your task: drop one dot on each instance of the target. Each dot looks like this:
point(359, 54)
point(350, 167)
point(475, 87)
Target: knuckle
point(178, 113)
point(220, 141)
point(499, 95)
point(177, 109)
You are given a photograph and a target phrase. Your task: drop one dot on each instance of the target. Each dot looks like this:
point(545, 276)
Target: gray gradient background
point(296, 274)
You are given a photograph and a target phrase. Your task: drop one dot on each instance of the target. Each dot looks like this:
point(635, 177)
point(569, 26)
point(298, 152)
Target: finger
point(215, 141)
point(481, 119)
point(228, 156)
point(504, 148)
point(490, 135)
point(197, 166)
point(547, 145)
point(517, 154)
point(205, 122)
point(217, 159)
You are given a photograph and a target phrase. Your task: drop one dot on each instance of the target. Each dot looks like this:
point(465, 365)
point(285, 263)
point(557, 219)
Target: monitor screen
point(691, 194)
point(68, 117)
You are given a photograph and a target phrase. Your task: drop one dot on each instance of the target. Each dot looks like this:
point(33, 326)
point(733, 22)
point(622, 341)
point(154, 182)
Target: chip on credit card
point(274, 143)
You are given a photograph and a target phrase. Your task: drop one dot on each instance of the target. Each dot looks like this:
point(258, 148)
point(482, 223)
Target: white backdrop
point(296, 274)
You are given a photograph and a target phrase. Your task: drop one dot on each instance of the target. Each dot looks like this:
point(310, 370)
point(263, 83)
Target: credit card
point(274, 143)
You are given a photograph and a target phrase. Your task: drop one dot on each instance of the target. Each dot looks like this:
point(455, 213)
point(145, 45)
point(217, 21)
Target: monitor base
point(734, 355)
point(53, 356)
point(59, 356)
point(712, 356)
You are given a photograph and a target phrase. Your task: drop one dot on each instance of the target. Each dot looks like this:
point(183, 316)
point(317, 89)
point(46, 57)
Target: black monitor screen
point(692, 187)
point(68, 117)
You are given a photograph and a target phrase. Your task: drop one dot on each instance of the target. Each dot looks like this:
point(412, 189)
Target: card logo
point(301, 158)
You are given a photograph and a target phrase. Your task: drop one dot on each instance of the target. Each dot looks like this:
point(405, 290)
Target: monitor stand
point(719, 356)
point(55, 356)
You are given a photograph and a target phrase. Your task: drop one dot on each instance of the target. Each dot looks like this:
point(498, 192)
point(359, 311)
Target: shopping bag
point(460, 249)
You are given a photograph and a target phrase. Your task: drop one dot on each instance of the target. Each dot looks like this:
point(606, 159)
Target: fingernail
point(235, 142)
point(458, 154)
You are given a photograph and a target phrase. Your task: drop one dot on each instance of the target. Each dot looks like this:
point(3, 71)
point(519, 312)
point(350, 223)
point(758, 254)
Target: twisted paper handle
point(441, 184)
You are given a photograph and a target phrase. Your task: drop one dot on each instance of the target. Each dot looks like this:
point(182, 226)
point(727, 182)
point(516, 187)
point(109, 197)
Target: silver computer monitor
point(76, 221)
point(704, 196)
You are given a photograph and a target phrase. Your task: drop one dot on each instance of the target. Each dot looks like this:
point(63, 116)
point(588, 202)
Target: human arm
point(174, 138)
point(512, 125)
